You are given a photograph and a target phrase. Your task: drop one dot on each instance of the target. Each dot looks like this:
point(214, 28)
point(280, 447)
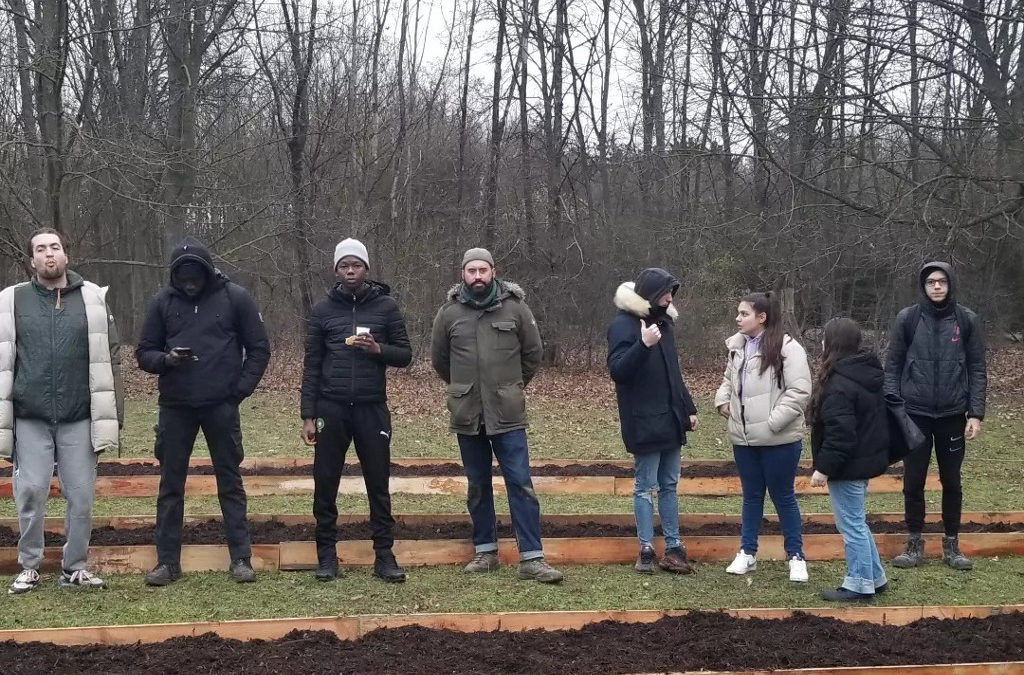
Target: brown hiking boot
point(675, 561)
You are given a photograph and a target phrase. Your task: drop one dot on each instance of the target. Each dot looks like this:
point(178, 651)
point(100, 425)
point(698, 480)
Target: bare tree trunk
point(497, 131)
point(915, 94)
point(756, 76)
point(460, 178)
point(602, 134)
point(529, 217)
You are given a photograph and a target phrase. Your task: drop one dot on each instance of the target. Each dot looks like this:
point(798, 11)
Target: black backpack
point(914, 317)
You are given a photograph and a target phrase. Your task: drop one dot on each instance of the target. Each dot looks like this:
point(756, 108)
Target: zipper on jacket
point(743, 381)
point(936, 343)
point(352, 380)
point(53, 358)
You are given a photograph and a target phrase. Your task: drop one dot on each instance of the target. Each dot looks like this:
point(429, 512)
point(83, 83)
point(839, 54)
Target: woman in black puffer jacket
point(850, 445)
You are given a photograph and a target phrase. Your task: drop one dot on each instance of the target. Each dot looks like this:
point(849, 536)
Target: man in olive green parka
point(486, 347)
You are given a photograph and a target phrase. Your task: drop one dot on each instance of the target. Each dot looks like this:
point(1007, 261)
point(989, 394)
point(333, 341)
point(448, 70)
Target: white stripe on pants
point(36, 445)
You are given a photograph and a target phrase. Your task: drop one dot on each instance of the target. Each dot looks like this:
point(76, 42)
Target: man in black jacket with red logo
point(936, 363)
point(354, 334)
point(204, 336)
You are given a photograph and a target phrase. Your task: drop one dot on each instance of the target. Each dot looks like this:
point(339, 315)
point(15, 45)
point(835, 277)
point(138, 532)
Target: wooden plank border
point(575, 550)
point(352, 627)
point(148, 486)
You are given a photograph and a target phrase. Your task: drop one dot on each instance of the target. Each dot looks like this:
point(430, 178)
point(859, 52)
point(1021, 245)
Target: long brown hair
point(842, 338)
point(774, 331)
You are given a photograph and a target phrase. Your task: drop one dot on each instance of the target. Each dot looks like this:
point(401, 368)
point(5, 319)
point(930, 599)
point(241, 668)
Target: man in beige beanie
point(486, 347)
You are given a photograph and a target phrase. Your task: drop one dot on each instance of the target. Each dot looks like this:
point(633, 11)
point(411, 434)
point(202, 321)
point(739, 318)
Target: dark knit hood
point(950, 302)
point(191, 250)
point(863, 368)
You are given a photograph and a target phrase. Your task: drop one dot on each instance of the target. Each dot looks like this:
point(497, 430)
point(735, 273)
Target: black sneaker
point(675, 561)
point(163, 574)
point(846, 595)
point(646, 561)
point(327, 570)
point(241, 571)
point(386, 568)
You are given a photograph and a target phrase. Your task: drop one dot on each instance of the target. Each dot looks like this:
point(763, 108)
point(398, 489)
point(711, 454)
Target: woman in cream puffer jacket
point(767, 385)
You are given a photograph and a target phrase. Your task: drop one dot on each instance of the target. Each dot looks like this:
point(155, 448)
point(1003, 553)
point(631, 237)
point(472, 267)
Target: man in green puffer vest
point(60, 400)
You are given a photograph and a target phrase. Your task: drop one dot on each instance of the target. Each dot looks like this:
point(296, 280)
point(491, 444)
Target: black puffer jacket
point(222, 326)
point(338, 373)
point(654, 403)
point(941, 371)
point(850, 437)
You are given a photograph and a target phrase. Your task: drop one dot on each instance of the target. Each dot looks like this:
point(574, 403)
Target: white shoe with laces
point(742, 563)
point(798, 570)
point(24, 582)
point(80, 579)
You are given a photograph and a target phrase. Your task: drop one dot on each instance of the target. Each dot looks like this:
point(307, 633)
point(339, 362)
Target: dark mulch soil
point(704, 640)
point(212, 531)
point(440, 469)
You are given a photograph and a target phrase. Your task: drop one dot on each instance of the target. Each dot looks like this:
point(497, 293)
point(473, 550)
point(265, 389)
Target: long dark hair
point(774, 331)
point(842, 338)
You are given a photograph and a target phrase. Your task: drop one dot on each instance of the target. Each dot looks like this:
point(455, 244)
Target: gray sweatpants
point(36, 445)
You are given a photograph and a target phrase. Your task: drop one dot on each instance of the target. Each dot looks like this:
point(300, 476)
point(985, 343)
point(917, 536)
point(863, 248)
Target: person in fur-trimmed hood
point(655, 408)
point(486, 346)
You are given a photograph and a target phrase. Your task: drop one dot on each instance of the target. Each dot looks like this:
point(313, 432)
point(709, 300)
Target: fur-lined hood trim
point(506, 289)
point(628, 300)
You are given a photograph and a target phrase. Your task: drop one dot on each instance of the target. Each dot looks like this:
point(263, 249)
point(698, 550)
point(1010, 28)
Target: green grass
point(213, 597)
point(571, 429)
point(993, 480)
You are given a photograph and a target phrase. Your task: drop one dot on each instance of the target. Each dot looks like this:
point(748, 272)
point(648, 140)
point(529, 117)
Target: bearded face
point(49, 261)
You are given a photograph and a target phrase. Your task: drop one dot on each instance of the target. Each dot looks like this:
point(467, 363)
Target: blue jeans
point(770, 467)
point(656, 471)
point(514, 459)
point(864, 571)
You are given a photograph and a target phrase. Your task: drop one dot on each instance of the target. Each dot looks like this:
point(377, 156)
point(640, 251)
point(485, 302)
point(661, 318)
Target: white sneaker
point(80, 579)
point(798, 570)
point(24, 582)
point(742, 563)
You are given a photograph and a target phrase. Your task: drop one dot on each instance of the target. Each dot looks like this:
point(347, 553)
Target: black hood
point(864, 368)
point(369, 291)
point(927, 269)
point(652, 283)
point(192, 250)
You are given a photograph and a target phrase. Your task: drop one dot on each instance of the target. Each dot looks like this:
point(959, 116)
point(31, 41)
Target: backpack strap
point(910, 324)
point(232, 306)
point(964, 322)
point(914, 317)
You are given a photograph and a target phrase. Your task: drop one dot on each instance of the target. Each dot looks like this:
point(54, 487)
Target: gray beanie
point(477, 254)
point(352, 247)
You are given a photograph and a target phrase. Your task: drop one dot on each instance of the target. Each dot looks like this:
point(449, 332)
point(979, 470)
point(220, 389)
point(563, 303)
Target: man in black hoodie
point(354, 334)
point(936, 363)
point(204, 336)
